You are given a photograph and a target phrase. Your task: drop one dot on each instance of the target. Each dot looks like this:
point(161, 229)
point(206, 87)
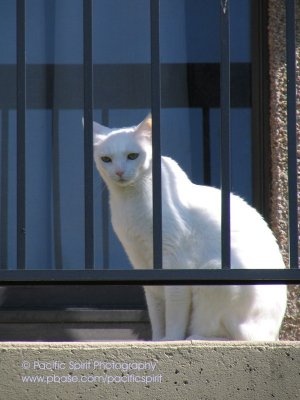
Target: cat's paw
point(159, 339)
point(170, 339)
point(195, 337)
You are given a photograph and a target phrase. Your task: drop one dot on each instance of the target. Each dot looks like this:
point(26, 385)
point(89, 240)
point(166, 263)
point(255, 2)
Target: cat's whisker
point(99, 186)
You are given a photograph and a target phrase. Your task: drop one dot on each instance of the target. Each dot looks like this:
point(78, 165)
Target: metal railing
point(157, 276)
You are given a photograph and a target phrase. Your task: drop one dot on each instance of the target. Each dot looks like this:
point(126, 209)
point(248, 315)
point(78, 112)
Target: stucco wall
point(278, 126)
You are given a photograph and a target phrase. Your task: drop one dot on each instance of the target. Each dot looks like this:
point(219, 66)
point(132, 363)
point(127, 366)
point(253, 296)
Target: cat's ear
point(100, 129)
point(100, 132)
point(144, 129)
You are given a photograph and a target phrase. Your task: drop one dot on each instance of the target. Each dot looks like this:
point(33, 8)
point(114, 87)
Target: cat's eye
point(106, 159)
point(132, 156)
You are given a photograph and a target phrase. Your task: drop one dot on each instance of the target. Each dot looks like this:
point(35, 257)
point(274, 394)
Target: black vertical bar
point(105, 211)
point(225, 133)
point(50, 21)
point(105, 228)
point(4, 191)
point(88, 133)
point(292, 132)
point(21, 120)
point(206, 147)
point(260, 124)
point(56, 191)
point(156, 146)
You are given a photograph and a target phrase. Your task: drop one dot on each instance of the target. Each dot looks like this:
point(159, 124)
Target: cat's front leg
point(178, 307)
point(156, 310)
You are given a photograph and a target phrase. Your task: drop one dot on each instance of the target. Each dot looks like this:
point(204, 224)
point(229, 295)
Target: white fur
point(191, 239)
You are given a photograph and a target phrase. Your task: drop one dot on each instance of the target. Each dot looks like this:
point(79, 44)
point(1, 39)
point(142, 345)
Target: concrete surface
point(150, 370)
point(278, 142)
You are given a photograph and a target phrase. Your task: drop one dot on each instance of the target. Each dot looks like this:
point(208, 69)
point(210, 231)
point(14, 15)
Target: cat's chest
point(132, 219)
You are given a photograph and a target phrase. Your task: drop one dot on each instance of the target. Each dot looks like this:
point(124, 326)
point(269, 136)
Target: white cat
point(191, 239)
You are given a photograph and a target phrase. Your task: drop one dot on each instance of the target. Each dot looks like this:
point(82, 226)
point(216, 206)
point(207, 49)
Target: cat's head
point(123, 155)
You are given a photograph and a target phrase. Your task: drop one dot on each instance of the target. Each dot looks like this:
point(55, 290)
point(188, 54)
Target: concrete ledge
point(150, 370)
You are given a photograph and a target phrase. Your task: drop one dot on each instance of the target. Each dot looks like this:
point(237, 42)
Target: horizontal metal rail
point(151, 277)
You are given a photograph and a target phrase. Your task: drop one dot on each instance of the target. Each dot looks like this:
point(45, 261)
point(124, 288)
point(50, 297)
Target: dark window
point(54, 139)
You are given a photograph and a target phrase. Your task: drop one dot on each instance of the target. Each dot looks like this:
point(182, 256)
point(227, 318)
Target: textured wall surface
point(157, 370)
point(278, 125)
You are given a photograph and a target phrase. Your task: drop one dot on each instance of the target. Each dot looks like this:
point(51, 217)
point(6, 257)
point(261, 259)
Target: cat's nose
point(119, 173)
